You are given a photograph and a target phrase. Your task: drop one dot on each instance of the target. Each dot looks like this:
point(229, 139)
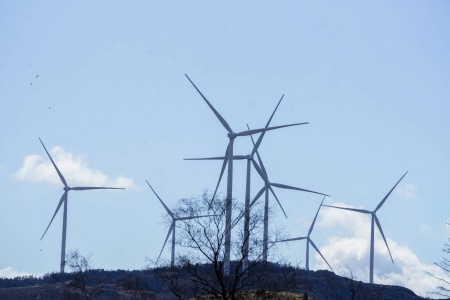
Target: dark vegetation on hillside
point(149, 284)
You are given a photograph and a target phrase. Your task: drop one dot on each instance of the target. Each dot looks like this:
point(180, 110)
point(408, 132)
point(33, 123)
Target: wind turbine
point(266, 188)
point(374, 220)
point(172, 227)
point(63, 199)
point(309, 241)
point(229, 161)
point(250, 159)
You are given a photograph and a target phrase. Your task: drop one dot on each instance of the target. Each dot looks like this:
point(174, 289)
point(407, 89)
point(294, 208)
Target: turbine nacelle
point(66, 188)
point(232, 135)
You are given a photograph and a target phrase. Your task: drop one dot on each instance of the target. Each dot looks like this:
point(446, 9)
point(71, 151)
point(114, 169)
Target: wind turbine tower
point(64, 200)
point(374, 220)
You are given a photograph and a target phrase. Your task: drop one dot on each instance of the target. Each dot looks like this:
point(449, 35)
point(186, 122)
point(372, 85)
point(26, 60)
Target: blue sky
point(111, 96)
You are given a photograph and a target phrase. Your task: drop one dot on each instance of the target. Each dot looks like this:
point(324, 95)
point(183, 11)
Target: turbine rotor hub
point(66, 188)
point(232, 135)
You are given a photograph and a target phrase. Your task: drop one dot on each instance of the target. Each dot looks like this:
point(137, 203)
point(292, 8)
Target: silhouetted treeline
point(107, 276)
point(21, 281)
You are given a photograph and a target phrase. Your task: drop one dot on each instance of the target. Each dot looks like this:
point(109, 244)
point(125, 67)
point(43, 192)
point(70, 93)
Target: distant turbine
point(268, 187)
point(229, 160)
point(172, 227)
point(374, 219)
point(63, 199)
point(309, 240)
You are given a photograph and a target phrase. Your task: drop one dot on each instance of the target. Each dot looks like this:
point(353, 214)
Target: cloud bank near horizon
point(10, 272)
point(75, 170)
point(349, 249)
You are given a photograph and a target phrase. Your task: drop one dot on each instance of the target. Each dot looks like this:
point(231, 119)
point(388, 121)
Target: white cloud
point(74, 169)
point(352, 246)
point(10, 272)
point(407, 191)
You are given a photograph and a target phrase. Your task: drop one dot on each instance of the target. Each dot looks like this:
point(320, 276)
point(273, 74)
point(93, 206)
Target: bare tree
point(134, 284)
point(83, 283)
point(443, 288)
point(199, 271)
point(356, 289)
point(354, 286)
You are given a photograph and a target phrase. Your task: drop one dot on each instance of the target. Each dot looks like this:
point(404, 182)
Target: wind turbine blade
point(258, 195)
point(261, 136)
point(206, 158)
point(61, 201)
point(56, 168)
point(204, 216)
point(284, 186)
point(82, 188)
point(221, 119)
point(262, 168)
point(254, 131)
point(167, 237)
point(273, 113)
point(195, 217)
point(239, 157)
point(279, 203)
point(382, 234)
point(293, 239)
point(384, 199)
point(258, 142)
point(317, 249)
point(160, 200)
point(235, 157)
point(236, 221)
point(260, 172)
point(225, 162)
point(351, 209)
point(314, 221)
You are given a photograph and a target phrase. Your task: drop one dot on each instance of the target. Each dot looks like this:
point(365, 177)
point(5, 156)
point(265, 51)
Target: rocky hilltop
point(147, 284)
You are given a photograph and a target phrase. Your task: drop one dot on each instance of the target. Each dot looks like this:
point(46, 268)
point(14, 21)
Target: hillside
point(146, 284)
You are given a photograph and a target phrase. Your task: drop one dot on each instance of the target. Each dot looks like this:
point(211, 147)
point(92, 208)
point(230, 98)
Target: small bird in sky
point(37, 75)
